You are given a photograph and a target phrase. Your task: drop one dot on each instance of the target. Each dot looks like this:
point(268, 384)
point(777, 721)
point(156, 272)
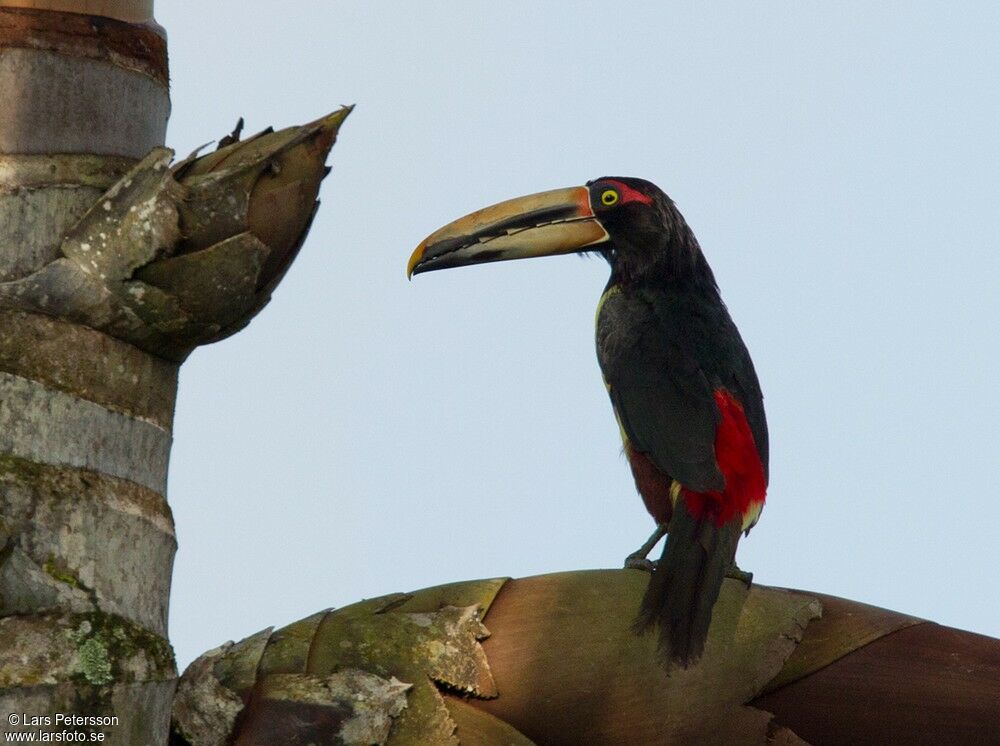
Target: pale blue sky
point(840, 165)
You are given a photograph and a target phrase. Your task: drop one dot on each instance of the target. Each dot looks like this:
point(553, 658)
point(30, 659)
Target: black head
point(649, 240)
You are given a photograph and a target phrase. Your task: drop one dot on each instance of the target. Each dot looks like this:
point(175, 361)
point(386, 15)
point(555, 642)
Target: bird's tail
point(686, 582)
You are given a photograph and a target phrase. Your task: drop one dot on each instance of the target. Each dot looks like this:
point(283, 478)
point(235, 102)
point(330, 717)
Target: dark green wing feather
point(663, 353)
point(662, 394)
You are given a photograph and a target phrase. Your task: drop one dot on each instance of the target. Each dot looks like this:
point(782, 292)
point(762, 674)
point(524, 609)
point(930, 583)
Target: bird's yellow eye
point(609, 197)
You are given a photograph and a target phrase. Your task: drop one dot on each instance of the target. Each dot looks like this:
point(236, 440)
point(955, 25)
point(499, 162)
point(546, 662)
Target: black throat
point(661, 256)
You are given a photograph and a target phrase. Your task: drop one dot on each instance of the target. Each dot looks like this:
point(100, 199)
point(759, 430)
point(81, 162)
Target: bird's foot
point(637, 560)
point(736, 573)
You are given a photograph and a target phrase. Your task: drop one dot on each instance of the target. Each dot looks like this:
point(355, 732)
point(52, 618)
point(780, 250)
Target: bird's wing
point(664, 402)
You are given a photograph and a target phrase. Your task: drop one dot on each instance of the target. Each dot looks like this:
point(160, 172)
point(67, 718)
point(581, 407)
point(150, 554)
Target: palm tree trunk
point(85, 419)
point(113, 267)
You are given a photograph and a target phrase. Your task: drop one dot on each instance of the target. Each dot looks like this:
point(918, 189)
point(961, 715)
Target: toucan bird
point(681, 382)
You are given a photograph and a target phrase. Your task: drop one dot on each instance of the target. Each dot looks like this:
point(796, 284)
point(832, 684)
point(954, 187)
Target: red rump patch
point(628, 194)
point(738, 460)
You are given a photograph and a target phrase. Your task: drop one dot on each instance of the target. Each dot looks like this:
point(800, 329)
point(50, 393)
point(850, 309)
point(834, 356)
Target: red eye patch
point(628, 194)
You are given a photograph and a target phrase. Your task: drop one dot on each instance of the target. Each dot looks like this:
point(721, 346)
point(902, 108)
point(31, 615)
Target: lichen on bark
point(372, 670)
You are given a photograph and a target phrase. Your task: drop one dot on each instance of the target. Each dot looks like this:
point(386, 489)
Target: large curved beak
point(560, 221)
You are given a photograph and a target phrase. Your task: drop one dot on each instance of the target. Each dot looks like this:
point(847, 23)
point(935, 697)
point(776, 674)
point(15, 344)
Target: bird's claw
point(736, 573)
point(637, 562)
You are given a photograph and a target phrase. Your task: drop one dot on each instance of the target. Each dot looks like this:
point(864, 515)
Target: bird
point(682, 385)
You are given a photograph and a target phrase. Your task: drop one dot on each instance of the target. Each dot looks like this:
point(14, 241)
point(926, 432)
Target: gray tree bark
point(113, 267)
point(85, 419)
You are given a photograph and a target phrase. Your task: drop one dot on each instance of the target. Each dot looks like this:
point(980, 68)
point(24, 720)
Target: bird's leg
point(637, 560)
point(736, 573)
